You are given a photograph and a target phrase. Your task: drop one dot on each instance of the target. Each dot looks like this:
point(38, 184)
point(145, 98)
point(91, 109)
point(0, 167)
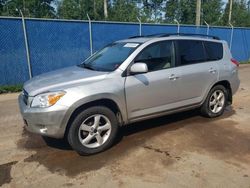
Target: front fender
point(120, 102)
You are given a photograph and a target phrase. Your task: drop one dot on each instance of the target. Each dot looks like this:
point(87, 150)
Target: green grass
point(11, 88)
point(245, 62)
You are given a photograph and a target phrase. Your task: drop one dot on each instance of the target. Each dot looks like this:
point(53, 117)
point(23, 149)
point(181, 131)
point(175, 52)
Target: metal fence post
point(207, 27)
point(232, 32)
point(178, 25)
point(26, 44)
point(139, 26)
point(90, 35)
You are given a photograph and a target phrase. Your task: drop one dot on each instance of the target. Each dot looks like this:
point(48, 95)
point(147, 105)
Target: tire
point(93, 130)
point(212, 107)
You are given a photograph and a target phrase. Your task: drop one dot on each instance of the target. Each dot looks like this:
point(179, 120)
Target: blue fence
point(55, 44)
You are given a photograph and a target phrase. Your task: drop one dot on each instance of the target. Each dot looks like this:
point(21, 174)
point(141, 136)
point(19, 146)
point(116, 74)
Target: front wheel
point(93, 130)
point(215, 102)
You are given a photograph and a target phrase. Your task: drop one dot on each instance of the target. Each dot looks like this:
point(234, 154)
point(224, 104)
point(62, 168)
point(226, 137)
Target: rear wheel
point(93, 130)
point(215, 102)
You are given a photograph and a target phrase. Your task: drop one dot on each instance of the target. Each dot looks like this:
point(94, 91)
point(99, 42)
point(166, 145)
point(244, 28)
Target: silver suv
point(127, 81)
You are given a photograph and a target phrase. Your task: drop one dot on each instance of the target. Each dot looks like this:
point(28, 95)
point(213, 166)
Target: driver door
point(157, 90)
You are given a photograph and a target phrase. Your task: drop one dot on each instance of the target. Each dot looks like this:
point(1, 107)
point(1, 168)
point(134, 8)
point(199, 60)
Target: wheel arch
point(227, 85)
point(109, 103)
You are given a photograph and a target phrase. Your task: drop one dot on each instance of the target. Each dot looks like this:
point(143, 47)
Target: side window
point(214, 50)
point(190, 52)
point(157, 56)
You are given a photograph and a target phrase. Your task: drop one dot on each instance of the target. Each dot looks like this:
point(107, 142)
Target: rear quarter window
point(214, 50)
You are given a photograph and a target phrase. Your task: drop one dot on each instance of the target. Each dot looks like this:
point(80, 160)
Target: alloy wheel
point(217, 101)
point(94, 131)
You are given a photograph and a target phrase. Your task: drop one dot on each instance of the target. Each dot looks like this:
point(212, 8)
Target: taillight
point(235, 62)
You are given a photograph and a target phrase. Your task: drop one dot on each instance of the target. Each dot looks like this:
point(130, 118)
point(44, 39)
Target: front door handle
point(173, 77)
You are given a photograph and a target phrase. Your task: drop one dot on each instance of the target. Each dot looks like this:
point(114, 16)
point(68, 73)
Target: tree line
point(214, 12)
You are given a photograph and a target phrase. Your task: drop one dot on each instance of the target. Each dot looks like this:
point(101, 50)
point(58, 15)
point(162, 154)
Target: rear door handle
point(173, 77)
point(212, 70)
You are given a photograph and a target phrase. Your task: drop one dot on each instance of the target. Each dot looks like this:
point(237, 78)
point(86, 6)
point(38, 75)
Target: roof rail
point(177, 34)
point(137, 36)
point(190, 34)
point(151, 35)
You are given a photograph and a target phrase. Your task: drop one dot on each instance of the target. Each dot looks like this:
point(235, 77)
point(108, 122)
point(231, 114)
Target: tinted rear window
point(214, 50)
point(191, 51)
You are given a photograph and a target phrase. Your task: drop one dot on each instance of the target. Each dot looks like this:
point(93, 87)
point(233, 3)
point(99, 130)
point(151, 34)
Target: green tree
point(184, 11)
point(172, 11)
point(69, 9)
point(1, 6)
point(181, 10)
point(152, 10)
point(240, 14)
point(124, 10)
point(212, 11)
point(187, 11)
point(30, 8)
point(78, 9)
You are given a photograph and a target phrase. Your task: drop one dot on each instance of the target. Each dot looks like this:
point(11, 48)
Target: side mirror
point(139, 68)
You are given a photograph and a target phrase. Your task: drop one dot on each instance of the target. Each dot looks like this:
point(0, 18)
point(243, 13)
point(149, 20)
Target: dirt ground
point(181, 150)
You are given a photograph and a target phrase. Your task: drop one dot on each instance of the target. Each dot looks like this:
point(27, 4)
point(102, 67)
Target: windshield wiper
point(83, 65)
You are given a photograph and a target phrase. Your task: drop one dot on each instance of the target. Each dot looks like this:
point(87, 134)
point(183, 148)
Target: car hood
point(61, 79)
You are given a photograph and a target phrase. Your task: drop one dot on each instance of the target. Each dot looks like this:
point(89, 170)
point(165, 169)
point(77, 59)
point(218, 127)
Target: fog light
point(43, 129)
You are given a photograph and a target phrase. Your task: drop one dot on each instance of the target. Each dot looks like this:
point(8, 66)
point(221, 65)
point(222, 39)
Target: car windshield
point(110, 57)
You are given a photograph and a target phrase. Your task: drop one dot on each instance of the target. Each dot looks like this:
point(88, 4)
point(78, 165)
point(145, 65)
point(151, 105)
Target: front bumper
point(44, 121)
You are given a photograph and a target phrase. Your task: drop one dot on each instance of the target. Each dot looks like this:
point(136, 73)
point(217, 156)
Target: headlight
point(47, 99)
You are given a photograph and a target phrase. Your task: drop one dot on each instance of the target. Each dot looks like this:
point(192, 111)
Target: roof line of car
point(143, 39)
point(176, 34)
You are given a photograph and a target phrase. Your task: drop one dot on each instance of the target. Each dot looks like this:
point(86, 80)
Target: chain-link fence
point(54, 44)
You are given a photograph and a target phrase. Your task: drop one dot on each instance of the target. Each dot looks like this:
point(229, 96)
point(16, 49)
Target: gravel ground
point(181, 150)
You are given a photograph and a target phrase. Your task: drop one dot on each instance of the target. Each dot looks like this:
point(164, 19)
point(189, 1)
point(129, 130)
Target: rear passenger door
point(198, 72)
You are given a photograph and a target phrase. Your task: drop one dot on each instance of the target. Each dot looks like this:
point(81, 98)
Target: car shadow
point(144, 125)
point(58, 156)
point(158, 122)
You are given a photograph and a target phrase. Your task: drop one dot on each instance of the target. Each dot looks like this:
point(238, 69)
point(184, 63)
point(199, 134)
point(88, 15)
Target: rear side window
point(214, 50)
point(190, 52)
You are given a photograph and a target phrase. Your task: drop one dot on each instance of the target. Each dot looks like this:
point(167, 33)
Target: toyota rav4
point(127, 81)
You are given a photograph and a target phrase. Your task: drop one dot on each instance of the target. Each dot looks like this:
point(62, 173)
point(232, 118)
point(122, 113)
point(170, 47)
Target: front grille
point(25, 97)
